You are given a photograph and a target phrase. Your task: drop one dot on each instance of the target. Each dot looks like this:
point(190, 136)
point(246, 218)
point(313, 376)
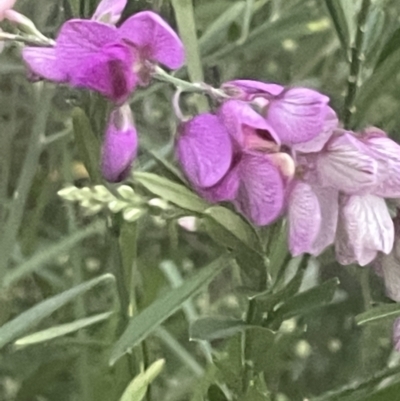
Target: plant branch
point(357, 57)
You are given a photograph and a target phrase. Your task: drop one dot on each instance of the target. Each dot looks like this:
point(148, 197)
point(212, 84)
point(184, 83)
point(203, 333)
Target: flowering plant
point(169, 150)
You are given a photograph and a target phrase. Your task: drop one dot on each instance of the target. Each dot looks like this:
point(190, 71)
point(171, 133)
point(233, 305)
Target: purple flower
point(234, 156)
point(109, 11)
point(354, 172)
point(119, 145)
point(112, 61)
point(296, 115)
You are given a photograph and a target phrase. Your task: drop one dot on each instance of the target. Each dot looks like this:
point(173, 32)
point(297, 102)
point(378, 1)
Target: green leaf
point(172, 192)
point(390, 393)
point(33, 316)
point(373, 87)
point(146, 321)
point(48, 254)
point(236, 226)
point(214, 393)
point(218, 29)
point(257, 390)
point(374, 27)
point(338, 16)
point(137, 388)
point(259, 342)
point(62, 330)
point(310, 299)
point(87, 143)
point(392, 45)
point(211, 328)
point(268, 300)
point(378, 313)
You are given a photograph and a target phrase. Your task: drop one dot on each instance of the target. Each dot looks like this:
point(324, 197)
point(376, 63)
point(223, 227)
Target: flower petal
point(304, 216)
point(42, 61)
point(119, 146)
point(387, 154)
point(109, 11)
point(91, 54)
point(298, 115)
point(261, 190)
point(204, 150)
point(390, 268)
point(4, 6)
point(365, 227)
point(250, 87)
point(236, 114)
point(328, 199)
point(316, 144)
point(396, 334)
point(224, 190)
point(159, 42)
point(347, 165)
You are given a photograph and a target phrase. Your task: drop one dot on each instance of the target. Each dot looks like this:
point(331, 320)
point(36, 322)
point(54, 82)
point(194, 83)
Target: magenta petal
point(42, 61)
point(109, 11)
point(156, 39)
point(119, 146)
point(365, 227)
point(304, 218)
point(328, 199)
point(261, 191)
point(236, 114)
point(387, 154)
point(347, 165)
point(298, 115)
point(316, 144)
point(224, 190)
point(109, 73)
point(92, 56)
point(204, 150)
point(251, 87)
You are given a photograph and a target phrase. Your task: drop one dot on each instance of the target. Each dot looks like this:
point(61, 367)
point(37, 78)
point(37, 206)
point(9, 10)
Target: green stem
point(185, 86)
point(184, 14)
point(248, 13)
point(35, 146)
point(357, 57)
point(27, 39)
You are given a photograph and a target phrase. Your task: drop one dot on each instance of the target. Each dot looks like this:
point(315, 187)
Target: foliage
point(96, 294)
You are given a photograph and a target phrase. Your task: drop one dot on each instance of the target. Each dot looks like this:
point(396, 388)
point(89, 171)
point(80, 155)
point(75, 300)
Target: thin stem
point(14, 220)
point(248, 13)
point(185, 86)
point(28, 39)
point(357, 57)
point(184, 13)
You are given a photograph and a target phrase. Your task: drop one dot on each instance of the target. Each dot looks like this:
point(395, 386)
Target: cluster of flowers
point(96, 55)
point(270, 150)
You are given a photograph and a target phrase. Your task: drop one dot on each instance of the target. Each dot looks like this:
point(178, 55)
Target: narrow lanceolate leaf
point(47, 255)
point(172, 192)
point(62, 330)
point(137, 388)
point(310, 299)
point(236, 226)
point(388, 311)
point(87, 142)
point(211, 328)
point(146, 321)
point(339, 20)
point(33, 316)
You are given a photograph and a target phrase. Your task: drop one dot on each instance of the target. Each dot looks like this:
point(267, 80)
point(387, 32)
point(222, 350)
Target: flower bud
point(119, 146)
